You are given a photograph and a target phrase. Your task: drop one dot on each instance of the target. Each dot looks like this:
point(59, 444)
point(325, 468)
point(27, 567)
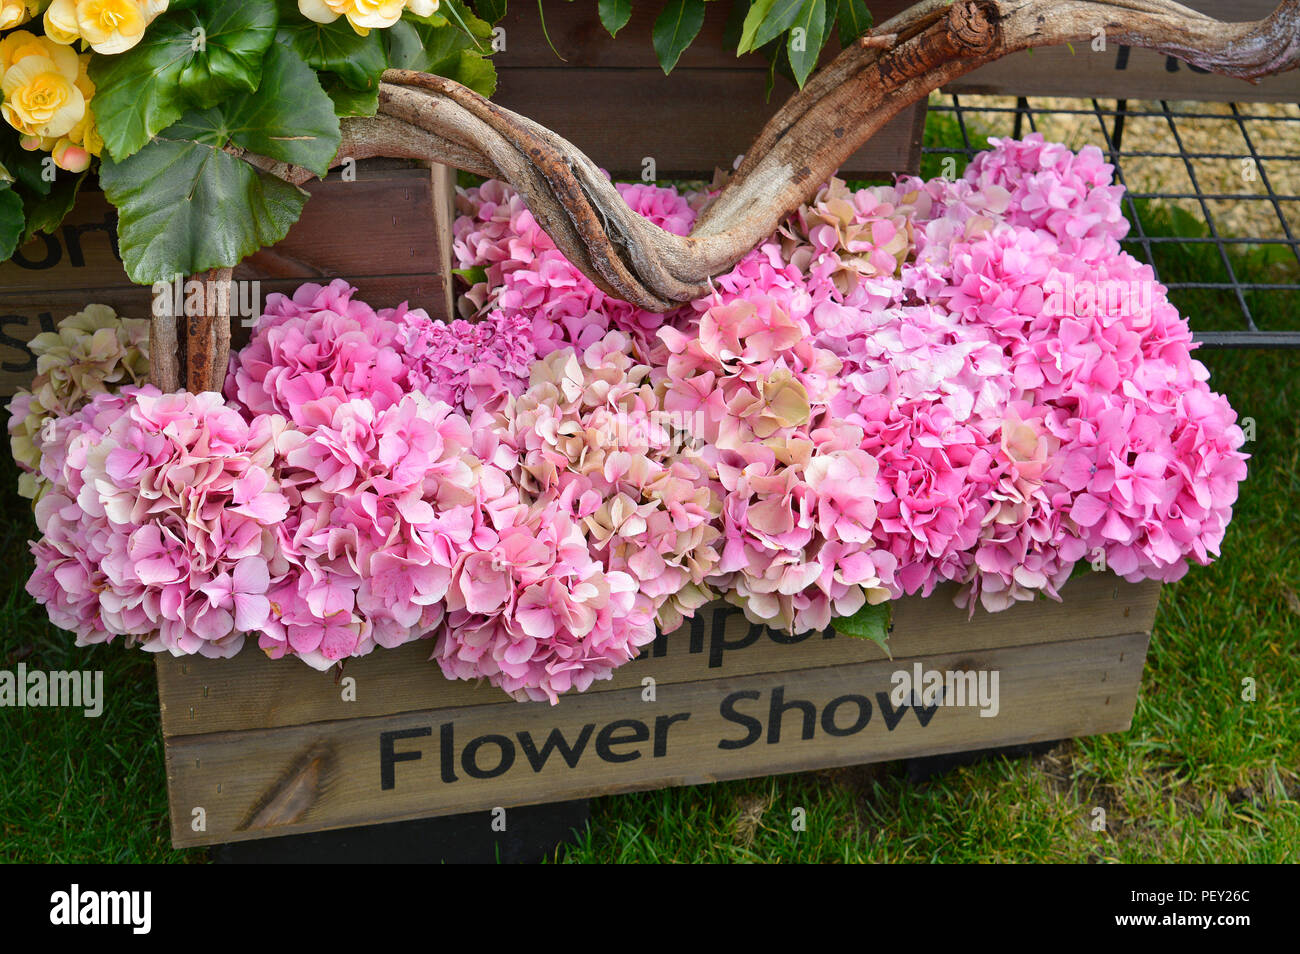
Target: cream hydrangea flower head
point(93, 352)
point(365, 15)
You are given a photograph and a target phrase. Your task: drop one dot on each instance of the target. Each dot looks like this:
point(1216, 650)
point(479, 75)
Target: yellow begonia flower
point(41, 97)
point(19, 44)
point(363, 15)
point(108, 26)
point(61, 22)
point(111, 26)
point(14, 13)
point(74, 150)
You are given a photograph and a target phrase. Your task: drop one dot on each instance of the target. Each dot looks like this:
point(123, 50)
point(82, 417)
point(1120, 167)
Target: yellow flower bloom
point(19, 44)
point(40, 91)
point(363, 15)
point(61, 22)
point(14, 12)
point(108, 26)
point(72, 150)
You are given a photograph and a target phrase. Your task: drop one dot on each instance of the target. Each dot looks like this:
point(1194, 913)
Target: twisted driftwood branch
point(818, 128)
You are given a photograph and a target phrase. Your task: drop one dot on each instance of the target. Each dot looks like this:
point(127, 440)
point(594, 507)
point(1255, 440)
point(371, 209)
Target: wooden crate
point(257, 748)
point(388, 232)
point(611, 99)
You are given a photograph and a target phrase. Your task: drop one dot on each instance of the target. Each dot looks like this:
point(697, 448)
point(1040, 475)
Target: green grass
point(1202, 775)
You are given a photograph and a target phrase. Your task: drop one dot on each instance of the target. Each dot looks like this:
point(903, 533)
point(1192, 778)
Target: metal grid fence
point(1231, 257)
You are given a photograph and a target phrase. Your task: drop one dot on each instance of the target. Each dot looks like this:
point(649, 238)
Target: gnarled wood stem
point(818, 128)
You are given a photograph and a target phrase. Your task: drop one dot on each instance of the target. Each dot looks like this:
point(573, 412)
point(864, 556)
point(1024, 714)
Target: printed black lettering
point(609, 738)
point(753, 728)
point(29, 362)
point(72, 238)
point(864, 715)
point(469, 758)
point(662, 724)
point(891, 715)
point(778, 710)
point(388, 758)
point(718, 642)
point(53, 254)
point(555, 742)
point(447, 751)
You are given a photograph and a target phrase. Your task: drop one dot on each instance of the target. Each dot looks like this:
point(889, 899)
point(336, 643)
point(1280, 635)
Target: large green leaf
point(469, 69)
point(675, 28)
point(11, 221)
point(358, 60)
point(236, 33)
point(137, 93)
point(349, 101)
point(289, 118)
point(435, 45)
point(186, 206)
point(753, 20)
point(27, 168)
point(855, 20)
point(805, 47)
point(44, 213)
point(144, 90)
point(780, 17)
point(416, 43)
point(870, 622)
point(614, 14)
point(490, 10)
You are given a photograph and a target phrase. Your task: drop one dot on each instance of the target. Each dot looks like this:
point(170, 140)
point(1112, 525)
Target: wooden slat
point(618, 117)
point(580, 41)
point(26, 315)
point(200, 696)
point(379, 224)
point(382, 232)
point(332, 775)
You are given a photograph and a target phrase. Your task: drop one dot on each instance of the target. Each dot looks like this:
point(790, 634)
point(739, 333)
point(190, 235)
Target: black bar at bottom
point(532, 833)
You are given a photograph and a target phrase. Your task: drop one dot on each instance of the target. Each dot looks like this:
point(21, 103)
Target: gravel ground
point(1274, 130)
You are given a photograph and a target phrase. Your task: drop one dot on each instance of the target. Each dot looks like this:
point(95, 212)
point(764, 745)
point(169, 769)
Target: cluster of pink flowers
point(937, 382)
point(160, 522)
point(800, 494)
point(527, 276)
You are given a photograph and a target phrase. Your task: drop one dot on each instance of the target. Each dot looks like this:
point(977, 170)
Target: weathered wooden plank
point(237, 786)
point(200, 696)
point(580, 40)
point(27, 314)
point(621, 117)
point(388, 233)
point(381, 223)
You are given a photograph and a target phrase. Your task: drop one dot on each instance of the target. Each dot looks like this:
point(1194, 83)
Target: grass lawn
point(1202, 776)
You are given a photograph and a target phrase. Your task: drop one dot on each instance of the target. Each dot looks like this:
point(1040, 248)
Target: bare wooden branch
point(818, 128)
point(164, 352)
point(207, 330)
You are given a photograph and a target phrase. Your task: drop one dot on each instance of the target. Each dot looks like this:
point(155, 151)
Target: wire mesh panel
point(1213, 196)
